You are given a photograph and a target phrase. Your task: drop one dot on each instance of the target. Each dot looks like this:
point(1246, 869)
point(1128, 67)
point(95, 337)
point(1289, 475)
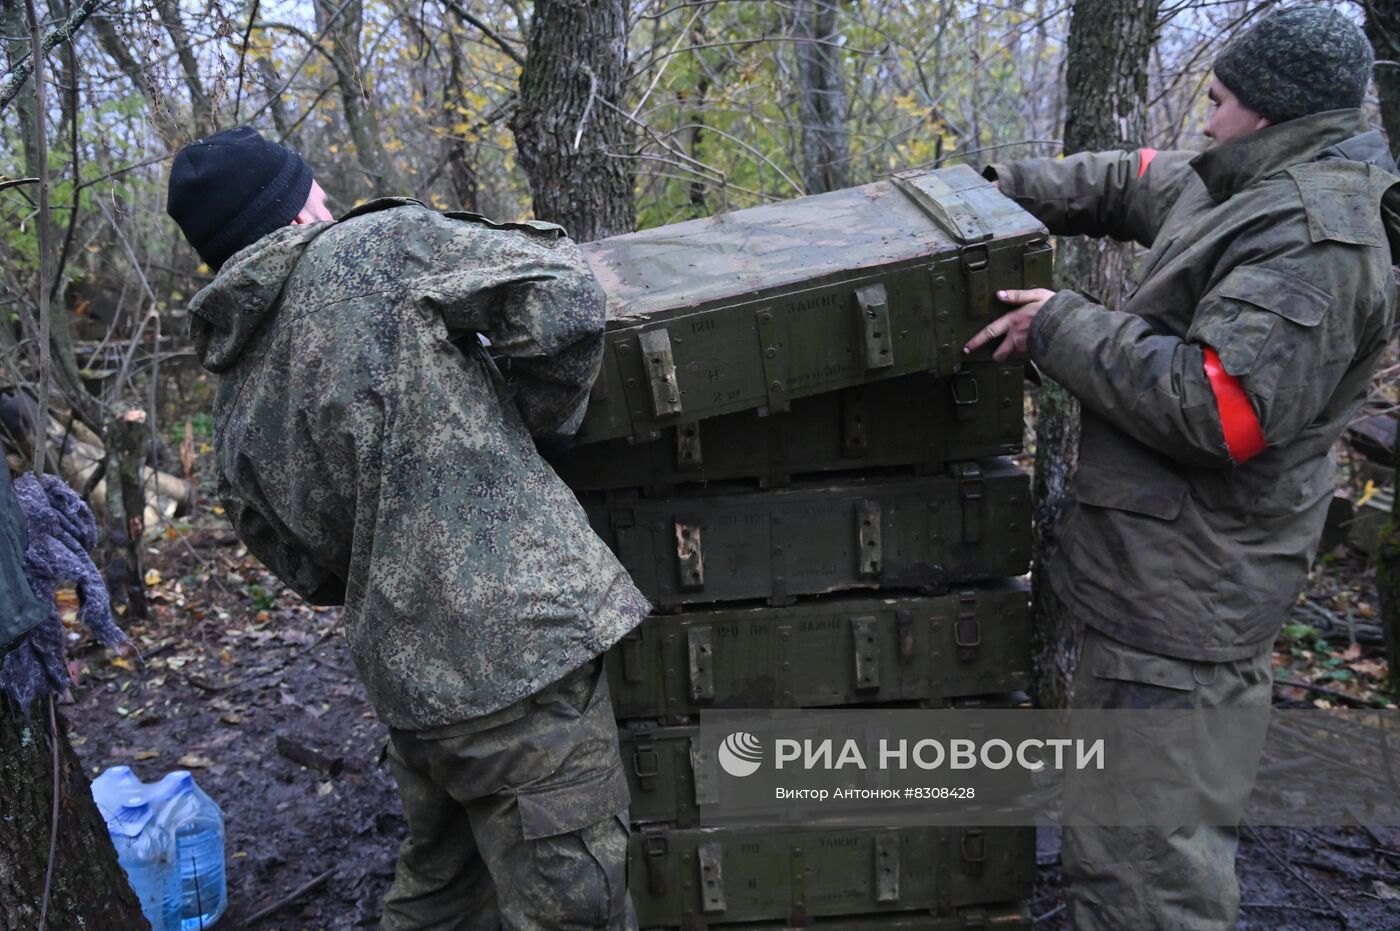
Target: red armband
point(1145, 157)
point(1244, 438)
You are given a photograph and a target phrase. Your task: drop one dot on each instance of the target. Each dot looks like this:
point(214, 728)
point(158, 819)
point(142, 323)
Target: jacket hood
point(1370, 148)
point(229, 311)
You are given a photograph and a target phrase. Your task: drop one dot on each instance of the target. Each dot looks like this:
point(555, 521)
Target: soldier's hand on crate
point(1015, 326)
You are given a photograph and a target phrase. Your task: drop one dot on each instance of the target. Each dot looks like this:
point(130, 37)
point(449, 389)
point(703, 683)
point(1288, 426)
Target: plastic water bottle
point(147, 852)
point(197, 824)
point(169, 836)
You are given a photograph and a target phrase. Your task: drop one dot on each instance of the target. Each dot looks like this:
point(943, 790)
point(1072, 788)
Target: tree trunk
point(822, 104)
point(461, 173)
point(571, 135)
point(119, 49)
point(65, 366)
point(125, 512)
point(1110, 42)
point(344, 34)
point(89, 888)
point(1383, 29)
point(16, 31)
point(201, 108)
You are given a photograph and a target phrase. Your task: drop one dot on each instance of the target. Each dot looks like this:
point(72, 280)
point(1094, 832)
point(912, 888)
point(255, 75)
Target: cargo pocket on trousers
point(1126, 677)
point(577, 834)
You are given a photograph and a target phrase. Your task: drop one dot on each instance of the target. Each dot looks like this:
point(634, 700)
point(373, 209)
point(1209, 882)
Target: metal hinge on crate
point(710, 861)
point(855, 439)
point(688, 454)
point(690, 557)
point(700, 654)
point(868, 538)
point(873, 306)
point(865, 646)
point(886, 868)
point(661, 372)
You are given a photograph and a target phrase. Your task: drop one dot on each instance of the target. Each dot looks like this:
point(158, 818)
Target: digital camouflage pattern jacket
point(370, 452)
point(1274, 250)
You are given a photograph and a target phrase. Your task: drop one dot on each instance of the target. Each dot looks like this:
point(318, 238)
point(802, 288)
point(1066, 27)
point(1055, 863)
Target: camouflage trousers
point(1161, 878)
point(516, 820)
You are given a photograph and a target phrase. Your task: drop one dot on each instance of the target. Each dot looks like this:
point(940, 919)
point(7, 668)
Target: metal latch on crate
point(873, 305)
point(690, 557)
point(646, 761)
point(965, 396)
point(979, 290)
point(974, 850)
point(655, 848)
point(661, 372)
point(967, 631)
point(868, 538)
point(971, 489)
point(632, 670)
point(700, 650)
point(866, 649)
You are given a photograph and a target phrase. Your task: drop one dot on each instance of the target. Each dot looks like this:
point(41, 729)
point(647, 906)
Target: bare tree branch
point(486, 30)
point(24, 67)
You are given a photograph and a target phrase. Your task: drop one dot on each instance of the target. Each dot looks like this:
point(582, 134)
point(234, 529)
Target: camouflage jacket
point(370, 451)
point(1274, 250)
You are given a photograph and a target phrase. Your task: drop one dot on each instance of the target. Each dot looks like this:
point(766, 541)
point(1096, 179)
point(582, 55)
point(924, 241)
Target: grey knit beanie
point(1298, 61)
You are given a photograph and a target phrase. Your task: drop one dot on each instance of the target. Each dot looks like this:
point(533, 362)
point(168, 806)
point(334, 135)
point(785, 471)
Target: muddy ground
point(254, 692)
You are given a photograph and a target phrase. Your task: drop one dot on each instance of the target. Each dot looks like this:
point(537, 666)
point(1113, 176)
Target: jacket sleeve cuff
point(1003, 172)
point(1048, 322)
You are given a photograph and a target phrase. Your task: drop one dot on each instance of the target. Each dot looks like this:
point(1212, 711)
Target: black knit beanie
point(1298, 61)
point(231, 189)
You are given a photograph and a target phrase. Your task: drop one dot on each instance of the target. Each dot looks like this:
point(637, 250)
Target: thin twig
point(243, 59)
point(313, 49)
point(25, 66)
point(289, 898)
point(41, 155)
point(486, 30)
point(662, 70)
point(1299, 876)
point(16, 182)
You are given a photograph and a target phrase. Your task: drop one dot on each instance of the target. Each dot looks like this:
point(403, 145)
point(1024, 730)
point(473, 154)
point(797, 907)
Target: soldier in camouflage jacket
point(1211, 401)
point(372, 452)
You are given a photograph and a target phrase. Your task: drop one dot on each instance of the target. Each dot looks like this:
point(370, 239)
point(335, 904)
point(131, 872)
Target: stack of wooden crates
point(793, 458)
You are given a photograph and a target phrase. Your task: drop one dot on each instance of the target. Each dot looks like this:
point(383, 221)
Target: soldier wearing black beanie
point(230, 189)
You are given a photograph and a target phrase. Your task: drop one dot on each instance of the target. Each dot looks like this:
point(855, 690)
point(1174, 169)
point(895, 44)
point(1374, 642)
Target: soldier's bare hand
point(1014, 328)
